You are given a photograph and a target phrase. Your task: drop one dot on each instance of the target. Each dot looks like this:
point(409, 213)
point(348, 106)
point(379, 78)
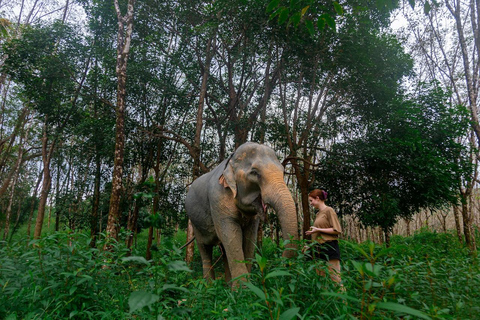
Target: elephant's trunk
point(277, 195)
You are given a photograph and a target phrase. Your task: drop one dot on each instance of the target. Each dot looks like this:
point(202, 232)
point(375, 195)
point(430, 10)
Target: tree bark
point(96, 201)
point(46, 159)
point(124, 35)
point(5, 150)
point(132, 224)
point(14, 182)
point(32, 204)
point(458, 226)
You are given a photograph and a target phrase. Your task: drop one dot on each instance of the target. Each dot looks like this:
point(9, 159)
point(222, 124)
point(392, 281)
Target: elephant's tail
point(186, 244)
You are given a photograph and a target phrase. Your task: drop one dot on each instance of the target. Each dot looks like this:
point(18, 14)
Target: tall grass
point(427, 276)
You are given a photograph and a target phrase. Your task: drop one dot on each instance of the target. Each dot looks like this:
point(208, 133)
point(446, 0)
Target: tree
point(52, 73)
point(446, 39)
point(348, 75)
point(124, 36)
point(409, 161)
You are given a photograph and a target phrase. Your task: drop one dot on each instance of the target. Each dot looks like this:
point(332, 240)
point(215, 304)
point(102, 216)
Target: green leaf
point(309, 25)
point(358, 248)
point(137, 259)
point(284, 12)
point(373, 270)
point(178, 266)
point(256, 290)
point(140, 299)
point(304, 10)
point(392, 306)
point(278, 273)
point(359, 266)
point(262, 261)
point(427, 7)
point(338, 8)
point(321, 23)
point(331, 22)
point(289, 314)
point(340, 295)
point(295, 19)
point(272, 5)
point(170, 286)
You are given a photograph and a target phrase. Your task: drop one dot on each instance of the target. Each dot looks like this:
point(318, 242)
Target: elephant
point(226, 204)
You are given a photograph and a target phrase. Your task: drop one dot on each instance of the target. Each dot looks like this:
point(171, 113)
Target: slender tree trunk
point(387, 238)
point(96, 201)
point(65, 10)
point(458, 226)
point(32, 204)
point(132, 224)
point(125, 28)
point(470, 78)
point(149, 243)
point(9, 142)
point(14, 183)
point(467, 223)
point(156, 198)
point(17, 221)
point(46, 159)
point(407, 222)
point(57, 200)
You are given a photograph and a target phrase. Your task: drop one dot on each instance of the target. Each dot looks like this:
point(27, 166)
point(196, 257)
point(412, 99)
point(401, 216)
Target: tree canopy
point(327, 84)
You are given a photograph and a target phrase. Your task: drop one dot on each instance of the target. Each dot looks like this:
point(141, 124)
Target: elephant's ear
point(227, 179)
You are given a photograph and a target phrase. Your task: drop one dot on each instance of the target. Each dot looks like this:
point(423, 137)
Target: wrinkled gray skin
point(226, 205)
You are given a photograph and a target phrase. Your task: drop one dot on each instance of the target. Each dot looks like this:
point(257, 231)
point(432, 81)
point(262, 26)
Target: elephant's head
point(255, 177)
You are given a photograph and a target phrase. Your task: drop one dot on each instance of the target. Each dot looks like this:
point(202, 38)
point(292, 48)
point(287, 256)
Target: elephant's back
point(196, 195)
point(197, 201)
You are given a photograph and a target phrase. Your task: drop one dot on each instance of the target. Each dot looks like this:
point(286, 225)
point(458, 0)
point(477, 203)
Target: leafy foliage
point(427, 276)
point(410, 160)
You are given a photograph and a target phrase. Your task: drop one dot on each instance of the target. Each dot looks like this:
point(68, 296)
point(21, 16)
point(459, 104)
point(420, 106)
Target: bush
point(427, 276)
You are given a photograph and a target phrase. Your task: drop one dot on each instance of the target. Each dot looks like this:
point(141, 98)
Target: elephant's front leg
point(231, 236)
point(249, 241)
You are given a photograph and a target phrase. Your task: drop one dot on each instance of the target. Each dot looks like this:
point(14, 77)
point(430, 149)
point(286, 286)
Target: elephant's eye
point(255, 173)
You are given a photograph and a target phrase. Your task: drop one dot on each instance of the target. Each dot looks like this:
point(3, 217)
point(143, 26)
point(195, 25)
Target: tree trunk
point(387, 238)
point(32, 204)
point(57, 200)
point(156, 198)
point(17, 222)
point(458, 226)
point(132, 224)
point(6, 150)
point(149, 243)
point(471, 79)
point(407, 222)
point(46, 159)
point(124, 35)
point(303, 184)
point(96, 201)
point(14, 183)
point(191, 246)
point(467, 224)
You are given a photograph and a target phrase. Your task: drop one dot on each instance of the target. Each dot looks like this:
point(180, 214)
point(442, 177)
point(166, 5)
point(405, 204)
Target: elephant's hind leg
point(206, 252)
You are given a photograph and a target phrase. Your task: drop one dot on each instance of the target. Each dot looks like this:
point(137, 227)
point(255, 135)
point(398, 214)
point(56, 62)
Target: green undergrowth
point(426, 276)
